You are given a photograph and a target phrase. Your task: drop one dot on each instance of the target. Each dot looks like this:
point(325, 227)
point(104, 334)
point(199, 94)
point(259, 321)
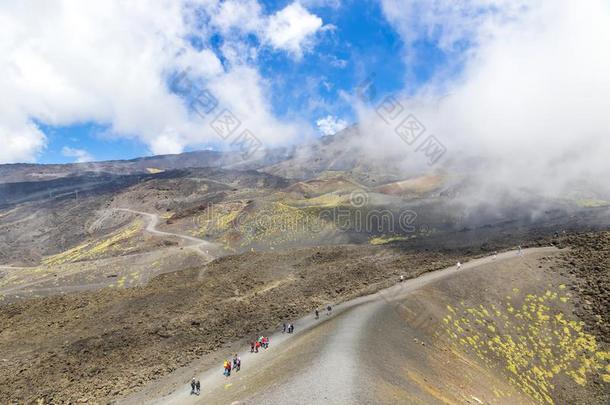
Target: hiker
point(237, 364)
point(284, 328)
point(227, 368)
point(290, 328)
point(329, 310)
point(317, 314)
point(252, 346)
point(520, 252)
point(193, 385)
point(402, 278)
point(198, 387)
point(256, 346)
point(459, 265)
point(495, 255)
point(235, 361)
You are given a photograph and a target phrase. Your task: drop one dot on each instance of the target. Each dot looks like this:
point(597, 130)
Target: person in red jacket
point(227, 366)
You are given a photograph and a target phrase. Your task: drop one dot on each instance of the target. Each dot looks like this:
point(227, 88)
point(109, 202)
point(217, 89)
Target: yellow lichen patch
point(499, 393)
point(154, 170)
point(381, 240)
point(92, 249)
point(278, 224)
point(220, 218)
point(592, 203)
point(121, 282)
point(226, 221)
point(68, 256)
point(324, 201)
point(534, 344)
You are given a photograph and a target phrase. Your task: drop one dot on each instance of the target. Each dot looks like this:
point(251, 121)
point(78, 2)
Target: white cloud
point(330, 125)
point(20, 143)
point(242, 91)
point(531, 102)
point(292, 29)
point(168, 142)
point(64, 62)
point(245, 16)
point(81, 155)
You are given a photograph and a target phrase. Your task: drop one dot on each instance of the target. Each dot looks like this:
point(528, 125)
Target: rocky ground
point(99, 345)
point(102, 344)
point(521, 325)
point(588, 266)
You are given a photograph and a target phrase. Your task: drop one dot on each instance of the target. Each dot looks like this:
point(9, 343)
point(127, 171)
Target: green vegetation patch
point(536, 344)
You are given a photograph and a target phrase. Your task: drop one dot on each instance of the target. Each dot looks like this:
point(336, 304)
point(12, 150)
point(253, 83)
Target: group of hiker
point(195, 387)
point(329, 311)
point(234, 365)
point(261, 342)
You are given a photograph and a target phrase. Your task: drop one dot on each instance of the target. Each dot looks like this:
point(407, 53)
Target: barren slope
point(432, 339)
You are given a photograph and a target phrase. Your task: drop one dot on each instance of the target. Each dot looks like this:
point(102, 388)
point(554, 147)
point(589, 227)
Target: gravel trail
point(324, 361)
point(200, 246)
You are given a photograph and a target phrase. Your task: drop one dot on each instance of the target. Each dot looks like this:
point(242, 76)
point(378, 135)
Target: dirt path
point(321, 362)
point(200, 246)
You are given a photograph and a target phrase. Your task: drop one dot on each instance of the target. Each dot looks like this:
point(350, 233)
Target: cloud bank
point(64, 62)
point(529, 108)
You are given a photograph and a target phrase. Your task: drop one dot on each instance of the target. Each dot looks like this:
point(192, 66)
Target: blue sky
point(359, 43)
point(90, 137)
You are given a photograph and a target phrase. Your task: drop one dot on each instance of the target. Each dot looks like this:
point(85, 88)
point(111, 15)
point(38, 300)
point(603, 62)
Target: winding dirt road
point(200, 246)
point(35, 278)
point(331, 360)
